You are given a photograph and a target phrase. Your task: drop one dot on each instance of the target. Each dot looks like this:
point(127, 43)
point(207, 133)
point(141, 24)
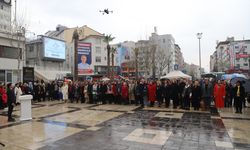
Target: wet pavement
point(57, 125)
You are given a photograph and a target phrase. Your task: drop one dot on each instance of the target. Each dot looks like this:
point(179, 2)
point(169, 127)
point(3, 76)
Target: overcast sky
point(135, 20)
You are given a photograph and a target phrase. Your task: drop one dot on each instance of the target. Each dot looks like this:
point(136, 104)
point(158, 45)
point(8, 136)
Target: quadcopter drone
point(106, 11)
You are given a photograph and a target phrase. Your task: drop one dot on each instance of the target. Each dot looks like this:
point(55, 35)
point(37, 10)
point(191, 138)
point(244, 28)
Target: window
point(98, 41)
point(2, 75)
point(245, 64)
point(98, 50)
point(31, 48)
point(238, 65)
point(98, 59)
point(2, 7)
point(9, 76)
point(237, 59)
point(245, 59)
point(164, 40)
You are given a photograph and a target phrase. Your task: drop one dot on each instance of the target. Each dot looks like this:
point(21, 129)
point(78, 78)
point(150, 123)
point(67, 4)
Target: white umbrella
point(176, 75)
point(105, 79)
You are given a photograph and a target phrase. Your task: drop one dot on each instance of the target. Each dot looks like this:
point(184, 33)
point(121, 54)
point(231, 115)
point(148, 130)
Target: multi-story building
point(47, 56)
point(99, 55)
point(12, 44)
point(5, 16)
point(193, 70)
point(162, 48)
point(213, 62)
point(66, 34)
point(231, 56)
point(178, 57)
point(125, 58)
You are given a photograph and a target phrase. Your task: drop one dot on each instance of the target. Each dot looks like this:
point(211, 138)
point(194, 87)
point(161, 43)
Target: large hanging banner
point(84, 59)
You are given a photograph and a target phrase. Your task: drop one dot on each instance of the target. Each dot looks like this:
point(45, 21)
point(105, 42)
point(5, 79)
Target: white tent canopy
point(176, 75)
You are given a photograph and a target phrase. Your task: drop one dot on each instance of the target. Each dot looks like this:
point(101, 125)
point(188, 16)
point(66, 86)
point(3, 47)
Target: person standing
point(239, 96)
point(151, 93)
point(90, 92)
point(186, 94)
point(175, 94)
point(159, 93)
point(219, 94)
point(196, 95)
point(125, 93)
point(131, 91)
point(65, 92)
point(18, 93)
point(11, 101)
point(207, 94)
point(103, 92)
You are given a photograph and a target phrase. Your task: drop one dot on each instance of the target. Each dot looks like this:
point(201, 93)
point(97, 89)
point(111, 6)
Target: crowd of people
point(184, 94)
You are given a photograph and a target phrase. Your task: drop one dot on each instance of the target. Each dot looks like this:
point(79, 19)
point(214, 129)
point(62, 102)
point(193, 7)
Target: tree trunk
point(136, 65)
point(153, 62)
point(112, 70)
point(108, 60)
point(75, 60)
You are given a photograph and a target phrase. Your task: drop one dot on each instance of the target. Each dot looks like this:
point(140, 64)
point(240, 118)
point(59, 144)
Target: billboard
point(84, 59)
point(123, 54)
point(28, 74)
point(54, 49)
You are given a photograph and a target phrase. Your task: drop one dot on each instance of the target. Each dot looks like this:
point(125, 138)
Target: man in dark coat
point(196, 95)
point(90, 92)
point(11, 101)
point(103, 91)
point(175, 94)
point(239, 96)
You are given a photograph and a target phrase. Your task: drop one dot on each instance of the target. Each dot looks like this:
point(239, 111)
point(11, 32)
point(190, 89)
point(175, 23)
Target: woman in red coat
point(124, 93)
point(151, 93)
point(219, 94)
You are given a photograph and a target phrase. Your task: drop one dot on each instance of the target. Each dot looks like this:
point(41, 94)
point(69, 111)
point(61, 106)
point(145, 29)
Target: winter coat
point(219, 94)
point(151, 92)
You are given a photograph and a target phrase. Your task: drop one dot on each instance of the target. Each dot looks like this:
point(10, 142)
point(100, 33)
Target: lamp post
point(199, 36)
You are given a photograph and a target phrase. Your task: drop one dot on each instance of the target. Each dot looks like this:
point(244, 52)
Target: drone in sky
point(106, 11)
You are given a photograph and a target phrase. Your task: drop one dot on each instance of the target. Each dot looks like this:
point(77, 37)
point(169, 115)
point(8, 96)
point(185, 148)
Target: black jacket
point(11, 97)
point(242, 92)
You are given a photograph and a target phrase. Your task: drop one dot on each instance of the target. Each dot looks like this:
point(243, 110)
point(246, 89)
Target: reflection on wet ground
point(57, 125)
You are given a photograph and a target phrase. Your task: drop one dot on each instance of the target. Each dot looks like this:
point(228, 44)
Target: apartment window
point(9, 76)
point(31, 48)
point(98, 41)
point(164, 40)
point(98, 59)
point(245, 64)
point(2, 7)
point(98, 50)
point(245, 59)
point(2, 75)
point(238, 65)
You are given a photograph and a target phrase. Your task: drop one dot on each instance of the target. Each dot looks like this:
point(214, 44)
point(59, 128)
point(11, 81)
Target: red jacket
point(124, 91)
point(151, 92)
point(114, 89)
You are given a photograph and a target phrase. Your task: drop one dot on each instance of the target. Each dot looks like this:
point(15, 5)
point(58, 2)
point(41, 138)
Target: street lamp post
point(199, 36)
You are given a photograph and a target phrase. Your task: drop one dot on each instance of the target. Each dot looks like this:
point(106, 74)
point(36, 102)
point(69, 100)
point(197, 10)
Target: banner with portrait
point(84, 59)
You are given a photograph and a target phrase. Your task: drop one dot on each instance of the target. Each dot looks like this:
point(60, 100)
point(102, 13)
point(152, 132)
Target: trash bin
point(26, 107)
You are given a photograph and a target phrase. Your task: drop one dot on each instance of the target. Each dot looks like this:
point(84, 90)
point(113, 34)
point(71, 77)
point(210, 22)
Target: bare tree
point(163, 61)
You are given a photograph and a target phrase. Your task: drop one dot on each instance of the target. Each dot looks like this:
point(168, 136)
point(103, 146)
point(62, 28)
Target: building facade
point(231, 56)
point(44, 68)
point(12, 45)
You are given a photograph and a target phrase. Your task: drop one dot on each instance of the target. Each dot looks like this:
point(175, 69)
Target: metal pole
point(200, 55)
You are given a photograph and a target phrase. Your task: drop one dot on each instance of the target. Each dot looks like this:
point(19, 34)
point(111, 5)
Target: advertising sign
point(123, 54)
point(84, 59)
point(54, 49)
